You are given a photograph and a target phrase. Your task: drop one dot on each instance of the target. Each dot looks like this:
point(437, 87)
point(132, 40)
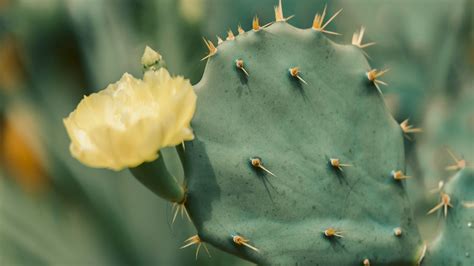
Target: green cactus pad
point(455, 244)
point(295, 128)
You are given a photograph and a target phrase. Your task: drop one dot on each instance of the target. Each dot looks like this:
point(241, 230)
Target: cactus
point(454, 244)
point(282, 112)
point(295, 157)
point(445, 148)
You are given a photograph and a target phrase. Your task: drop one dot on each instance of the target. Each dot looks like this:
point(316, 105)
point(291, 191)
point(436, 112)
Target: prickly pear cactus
point(454, 245)
point(293, 158)
point(296, 158)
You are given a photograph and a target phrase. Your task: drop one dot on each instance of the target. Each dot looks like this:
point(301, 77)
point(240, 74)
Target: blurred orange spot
point(21, 158)
point(11, 72)
point(4, 4)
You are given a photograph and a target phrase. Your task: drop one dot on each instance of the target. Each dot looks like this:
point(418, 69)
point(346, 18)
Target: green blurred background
point(55, 211)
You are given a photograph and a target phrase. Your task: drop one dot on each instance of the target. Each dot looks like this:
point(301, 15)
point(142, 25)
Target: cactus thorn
point(239, 63)
point(211, 47)
point(180, 207)
point(331, 232)
point(357, 39)
point(241, 241)
point(397, 231)
point(438, 189)
point(195, 240)
point(407, 128)
point(279, 13)
point(422, 254)
point(240, 29)
point(257, 163)
point(398, 175)
point(255, 23)
point(319, 20)
point(445, 203)
point(295, 72)
point(219, 40)
point(468, 204)
point(373, 74)
point(230, 35)
point(366, 262)
point(336, 163)
point(459, 164)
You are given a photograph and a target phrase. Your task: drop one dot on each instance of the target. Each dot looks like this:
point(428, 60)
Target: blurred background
point(55, 211)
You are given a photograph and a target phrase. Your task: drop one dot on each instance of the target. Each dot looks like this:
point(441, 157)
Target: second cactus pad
point(454, 244)
point(274, 107)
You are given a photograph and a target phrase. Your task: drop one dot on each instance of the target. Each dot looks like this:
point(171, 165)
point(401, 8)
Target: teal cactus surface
point(296, 127)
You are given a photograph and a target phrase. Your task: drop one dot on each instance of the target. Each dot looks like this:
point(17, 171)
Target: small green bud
point(152, 60)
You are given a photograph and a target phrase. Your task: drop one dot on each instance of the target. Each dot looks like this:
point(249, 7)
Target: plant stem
point(156, 177)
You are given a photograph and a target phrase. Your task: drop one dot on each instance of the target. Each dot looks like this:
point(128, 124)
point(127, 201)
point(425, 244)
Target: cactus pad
point(294, 204)
point(454, 245)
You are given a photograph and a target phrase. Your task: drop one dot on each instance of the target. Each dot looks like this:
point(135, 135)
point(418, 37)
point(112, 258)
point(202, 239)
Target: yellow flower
point(131, 120)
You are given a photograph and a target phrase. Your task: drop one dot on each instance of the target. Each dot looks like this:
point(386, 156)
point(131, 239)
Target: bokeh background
point(55, 211)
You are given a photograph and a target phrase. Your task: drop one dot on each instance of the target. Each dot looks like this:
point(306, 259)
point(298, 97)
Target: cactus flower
point(127, 124)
